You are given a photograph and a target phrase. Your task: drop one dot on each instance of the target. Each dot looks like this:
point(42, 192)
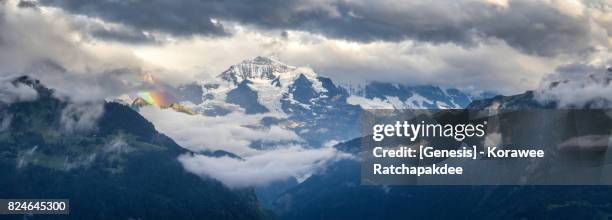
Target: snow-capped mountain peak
point(267, 69)
point(264, 79)
point(258, 68)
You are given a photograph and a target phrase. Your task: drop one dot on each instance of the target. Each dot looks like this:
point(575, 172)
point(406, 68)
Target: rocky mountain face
point(108, 160)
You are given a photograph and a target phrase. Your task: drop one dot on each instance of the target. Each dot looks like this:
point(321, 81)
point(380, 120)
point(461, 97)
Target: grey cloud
point(574, 70)
point(43, 45)
point(31, 36)
point(578, 85)
point(116, 146)
point(93, 29)
point(81, 117)
point(15, 92)
point(92, 86)
point(494, 66)
point(5, 121)
point(27, 4)
point(537, 29)
point(586, 143)
point(534, 27)
point(25, 157)
point(84, 161)
point(183, 18)
point(129, 36)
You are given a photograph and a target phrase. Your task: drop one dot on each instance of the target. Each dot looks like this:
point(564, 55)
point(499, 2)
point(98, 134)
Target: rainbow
point(154, 98)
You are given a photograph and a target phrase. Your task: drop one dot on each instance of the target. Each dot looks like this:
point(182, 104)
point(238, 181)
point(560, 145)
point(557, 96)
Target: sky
point(498, 45)
point(88, 50)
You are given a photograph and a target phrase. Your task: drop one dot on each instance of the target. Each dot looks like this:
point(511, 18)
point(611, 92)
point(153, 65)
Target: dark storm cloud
point(129, 36)
point(531, 26)
point(537, 29)
point(181, 18)
point(26, 4)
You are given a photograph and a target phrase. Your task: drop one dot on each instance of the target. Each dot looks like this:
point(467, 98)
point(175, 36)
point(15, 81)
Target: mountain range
point(122, 167)
point(297, 98)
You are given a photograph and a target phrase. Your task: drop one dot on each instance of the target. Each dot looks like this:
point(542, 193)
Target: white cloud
point(577, 85)
point(34, 35)
point(263, 168)
point(49, 45)
point(232, 133)
point(500, 3)
point(200, 133)
point(502, 58)
point(569, 7)
point(5, 121)
point(10, 92)
point(81, 117)
point(491, 65)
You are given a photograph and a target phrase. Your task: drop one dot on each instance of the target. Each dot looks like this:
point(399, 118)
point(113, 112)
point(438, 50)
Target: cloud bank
point(546, 27)
point(578, 85)
point(10, 92)
point(263, 168)
point(234, 133)
point(500, 45)
point(231, 133)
